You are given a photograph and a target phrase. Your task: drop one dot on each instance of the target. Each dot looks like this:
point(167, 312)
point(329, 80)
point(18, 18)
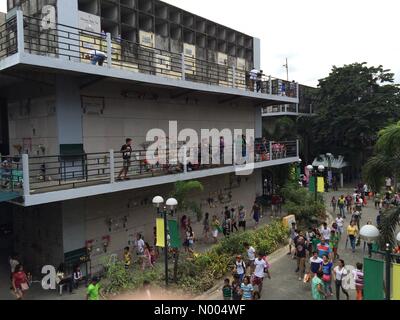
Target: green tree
point(355, 102)
point(385, 162)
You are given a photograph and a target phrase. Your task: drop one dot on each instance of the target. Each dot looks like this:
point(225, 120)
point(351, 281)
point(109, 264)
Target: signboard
point(146, 39)
point(241, 64)
point(89, 22)
point(222, 58)
point(189, 51)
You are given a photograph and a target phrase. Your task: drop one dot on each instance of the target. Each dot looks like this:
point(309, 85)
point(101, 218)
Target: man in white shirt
point(139, 245)
point(325, 231)
point(259, 271)
point(340, 223)
point(251, 256)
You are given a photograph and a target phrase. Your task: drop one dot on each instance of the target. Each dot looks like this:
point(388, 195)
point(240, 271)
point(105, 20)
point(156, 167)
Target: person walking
point(256, 210)
point(234, 220)
point(327, 267)
point(147, 257)
point(340, 224)
point(206, 226)
point(126, 151)
point(240, 268)
point(189, 240)
point(334, 204)
point(242, 218)
point(236, 290)
point(259, 270)
point(93, 290)
point(358, 276)
point(251, 256)
point(227, 290)
point(339, 273)
point(301, 253)
point(325, 232)
point(341, 203)
point(246, 289)
point(356, 217)
point(215, 225)
point(333, 244)
point(315, 263)
point(317, 287)
point(352, 232)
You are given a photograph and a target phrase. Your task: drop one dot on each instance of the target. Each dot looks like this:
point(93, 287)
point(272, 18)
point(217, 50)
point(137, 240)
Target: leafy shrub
point(198, 273)
point(300, 202)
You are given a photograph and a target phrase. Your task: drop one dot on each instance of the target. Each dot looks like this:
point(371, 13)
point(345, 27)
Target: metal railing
point(8, 38)
point(73, 44)
point(287, 109)
point(38, 174)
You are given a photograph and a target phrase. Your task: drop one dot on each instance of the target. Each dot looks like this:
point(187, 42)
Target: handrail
point(57, 172)
point(75, 44)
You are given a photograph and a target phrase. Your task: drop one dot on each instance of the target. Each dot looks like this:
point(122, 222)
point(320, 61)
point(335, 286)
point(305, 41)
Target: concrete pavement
point(285, 285)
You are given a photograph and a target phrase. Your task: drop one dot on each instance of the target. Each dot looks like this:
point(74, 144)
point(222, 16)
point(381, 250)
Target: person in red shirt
point(19, 281)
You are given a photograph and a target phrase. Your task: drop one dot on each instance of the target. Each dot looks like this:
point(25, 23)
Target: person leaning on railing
point(96, 57)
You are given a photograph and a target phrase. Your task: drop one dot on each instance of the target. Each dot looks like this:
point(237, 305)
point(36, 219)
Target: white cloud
point(313, 34)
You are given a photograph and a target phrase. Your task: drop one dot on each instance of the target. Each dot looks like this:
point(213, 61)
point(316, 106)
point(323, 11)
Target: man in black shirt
point(301, 252)
point(126, 150)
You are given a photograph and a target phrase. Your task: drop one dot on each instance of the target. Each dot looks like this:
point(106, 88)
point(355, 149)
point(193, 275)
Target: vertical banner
point(298, 172)
point(160, 232)
point(175, 241)
point(311, 184)
point(373, 279)
point(321, 185)
point(395, 281)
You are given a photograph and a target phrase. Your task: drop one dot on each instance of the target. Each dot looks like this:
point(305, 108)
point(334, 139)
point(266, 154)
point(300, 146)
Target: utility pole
point(287, 69)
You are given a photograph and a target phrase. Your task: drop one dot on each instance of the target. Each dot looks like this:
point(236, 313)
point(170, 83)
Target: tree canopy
point(355, 102)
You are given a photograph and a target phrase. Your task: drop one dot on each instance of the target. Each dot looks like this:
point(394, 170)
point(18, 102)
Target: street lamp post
point(170, 204)
point(314, 173)
point(371, 233)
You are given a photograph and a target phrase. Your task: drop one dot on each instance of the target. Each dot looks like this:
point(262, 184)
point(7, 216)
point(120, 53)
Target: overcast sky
point(313, 34)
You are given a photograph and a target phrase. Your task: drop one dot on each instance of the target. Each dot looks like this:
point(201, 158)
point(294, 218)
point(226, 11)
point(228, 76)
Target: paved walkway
point(285, 285)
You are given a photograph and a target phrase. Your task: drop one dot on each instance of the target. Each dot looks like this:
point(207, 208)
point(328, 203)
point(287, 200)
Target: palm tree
point(385, 162)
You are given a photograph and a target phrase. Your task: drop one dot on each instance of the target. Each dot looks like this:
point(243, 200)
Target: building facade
point(64, 117)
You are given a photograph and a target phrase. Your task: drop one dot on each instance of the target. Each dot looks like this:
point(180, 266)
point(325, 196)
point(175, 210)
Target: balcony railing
point(287, 109)
point(39, 174)
point(31, 35)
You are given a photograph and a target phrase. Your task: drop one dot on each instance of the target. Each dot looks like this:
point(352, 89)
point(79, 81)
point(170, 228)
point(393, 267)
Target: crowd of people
point(248, 276)
point(320, 246)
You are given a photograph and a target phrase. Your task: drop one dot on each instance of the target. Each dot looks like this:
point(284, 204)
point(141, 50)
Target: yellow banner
point(396, 282)
point(160, 233)
point(321, 184)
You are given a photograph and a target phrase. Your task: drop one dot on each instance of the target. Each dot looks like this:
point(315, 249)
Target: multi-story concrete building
point(62, 115)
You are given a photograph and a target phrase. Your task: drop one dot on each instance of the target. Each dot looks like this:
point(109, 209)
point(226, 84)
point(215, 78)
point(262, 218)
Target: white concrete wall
point(133, 117)
point(33, 119)
point(141, 215)
point(38, 236)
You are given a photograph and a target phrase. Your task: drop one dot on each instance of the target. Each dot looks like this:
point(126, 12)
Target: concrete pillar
point(258, 122)
point(257, 53)
point(68, 110)
point(67, 14)
point(341, 180)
